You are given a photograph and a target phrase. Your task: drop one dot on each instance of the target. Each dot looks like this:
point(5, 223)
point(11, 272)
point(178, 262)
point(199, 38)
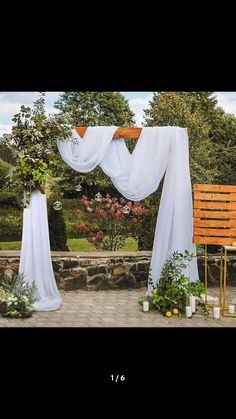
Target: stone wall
point(90, 271)
point(109, 270)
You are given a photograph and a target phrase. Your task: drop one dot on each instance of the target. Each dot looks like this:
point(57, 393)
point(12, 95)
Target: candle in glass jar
point(216, 312)
point(231, 309)
point(188, 311)
point(193, 303)
point(145, 305)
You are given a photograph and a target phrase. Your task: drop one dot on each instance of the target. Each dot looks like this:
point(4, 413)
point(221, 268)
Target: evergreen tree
point(57, 229)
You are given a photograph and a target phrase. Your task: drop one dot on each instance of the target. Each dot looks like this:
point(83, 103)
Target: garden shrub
point(10, 228)
point(147, 231)
point(147, 225)
point(8, 199)
point(108, 221)
point(4, 170)
point(57, 229)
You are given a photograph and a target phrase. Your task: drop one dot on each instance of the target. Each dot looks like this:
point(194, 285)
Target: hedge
point(8, 199)
point(10, 228)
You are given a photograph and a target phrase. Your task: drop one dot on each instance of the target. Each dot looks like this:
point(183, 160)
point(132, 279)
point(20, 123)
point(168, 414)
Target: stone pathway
point(112, 309)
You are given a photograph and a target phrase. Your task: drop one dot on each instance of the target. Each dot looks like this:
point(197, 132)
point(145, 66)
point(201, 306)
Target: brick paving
point(113, 309)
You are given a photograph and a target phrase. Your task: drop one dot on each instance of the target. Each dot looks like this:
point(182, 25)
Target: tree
point(222, 133)
point(90, 109)
point(33, 140)
point(173, 108)
point(34, 136)
point(96, 108)
point(7, 153)
point(178, 109)
point(4, 171)
point(212, 141)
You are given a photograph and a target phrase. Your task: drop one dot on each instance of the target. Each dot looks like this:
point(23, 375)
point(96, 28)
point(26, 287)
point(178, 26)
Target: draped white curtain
point(35, 261)
point(158, 151)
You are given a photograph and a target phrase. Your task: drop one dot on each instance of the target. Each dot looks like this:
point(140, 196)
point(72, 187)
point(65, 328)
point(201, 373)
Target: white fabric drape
point(35, 261)
point(158, 151)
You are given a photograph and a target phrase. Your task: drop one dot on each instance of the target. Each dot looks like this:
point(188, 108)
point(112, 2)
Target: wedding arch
point(159, 152)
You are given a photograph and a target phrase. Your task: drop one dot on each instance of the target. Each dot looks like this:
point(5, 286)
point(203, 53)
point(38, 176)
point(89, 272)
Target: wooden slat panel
point(214, 223)
point(215, 205)
point(215, 196)
point(218, 188)
point(212, 240)
point(214, 214)
point(218, 232)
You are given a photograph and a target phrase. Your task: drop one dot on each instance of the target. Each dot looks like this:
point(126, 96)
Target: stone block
point(143, 266)
point(69, 264)
point(76, 280)
point(119, 269)
point(125, 281)
point(57, 265)
point(134, 267)
point(92, 281)
point(95, 270)
point(8, 275)
point(141, 276)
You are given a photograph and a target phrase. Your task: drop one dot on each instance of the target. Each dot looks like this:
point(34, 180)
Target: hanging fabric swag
point(35, 260)
point(159, 151)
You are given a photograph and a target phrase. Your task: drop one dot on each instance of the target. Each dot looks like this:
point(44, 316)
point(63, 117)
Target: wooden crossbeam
point(129, 132)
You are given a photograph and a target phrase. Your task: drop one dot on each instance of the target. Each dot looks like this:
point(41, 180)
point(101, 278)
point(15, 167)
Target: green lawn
point(75, 245)
point(10, 245)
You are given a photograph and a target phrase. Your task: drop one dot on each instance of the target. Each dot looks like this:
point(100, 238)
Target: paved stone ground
point(112, 309)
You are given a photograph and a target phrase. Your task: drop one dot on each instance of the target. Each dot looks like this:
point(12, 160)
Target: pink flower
point(100, 235)
point(118, 215)
point(89, 209)
point(112, 210)
point(100, 212)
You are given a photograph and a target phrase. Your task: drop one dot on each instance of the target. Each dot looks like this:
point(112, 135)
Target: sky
point(10, 103)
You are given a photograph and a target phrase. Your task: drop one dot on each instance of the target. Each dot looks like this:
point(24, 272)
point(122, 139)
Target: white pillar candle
point(145, 305)
point(216, 312)
point(231, 309)
point(193, 303)
point(188, 311)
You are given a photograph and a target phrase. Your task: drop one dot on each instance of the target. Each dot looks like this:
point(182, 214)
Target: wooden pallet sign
point(214, 214)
